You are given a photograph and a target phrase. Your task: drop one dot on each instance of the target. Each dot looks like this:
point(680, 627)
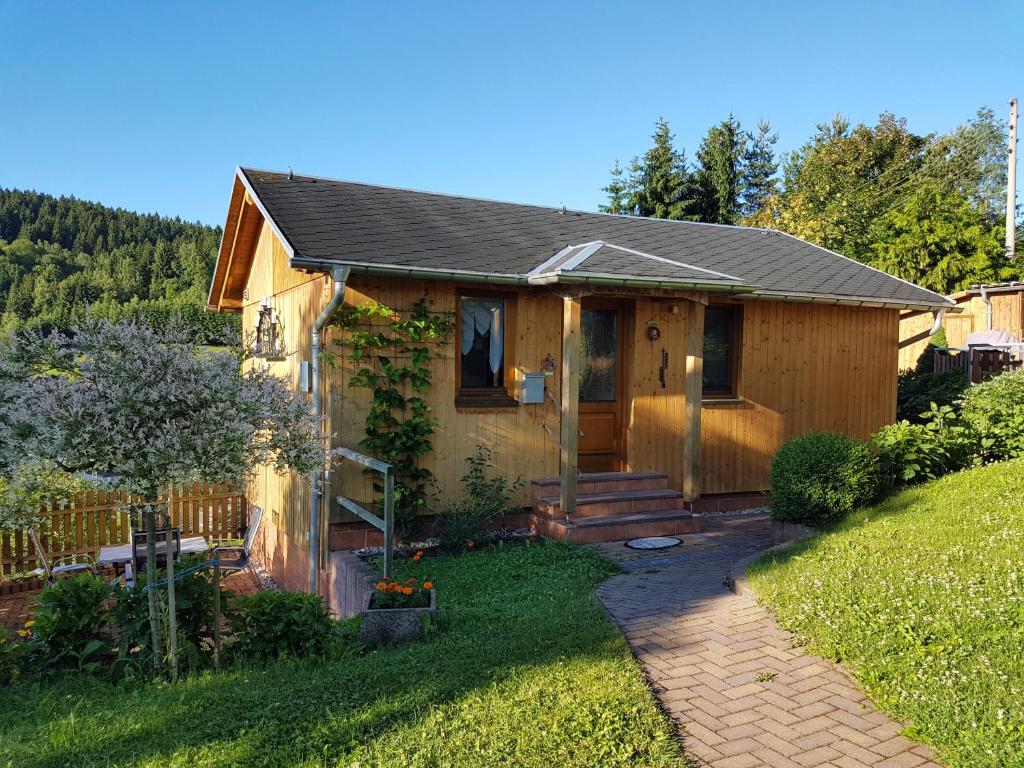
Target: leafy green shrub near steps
point(818, 478)
point(272, 625)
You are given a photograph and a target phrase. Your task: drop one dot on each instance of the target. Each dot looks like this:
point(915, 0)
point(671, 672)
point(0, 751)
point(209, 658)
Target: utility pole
point(1011, 185)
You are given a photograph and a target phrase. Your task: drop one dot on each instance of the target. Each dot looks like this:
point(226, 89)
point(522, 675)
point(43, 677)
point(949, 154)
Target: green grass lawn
point(525, 669)
point(922, 597)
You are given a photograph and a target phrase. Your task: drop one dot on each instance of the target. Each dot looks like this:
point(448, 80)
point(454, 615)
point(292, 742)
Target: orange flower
point(410, 581)
point(407, 590)
point(382, 586)
point(428, 585)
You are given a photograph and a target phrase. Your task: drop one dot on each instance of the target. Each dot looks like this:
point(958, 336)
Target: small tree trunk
point(172, 615)
point(149, 511)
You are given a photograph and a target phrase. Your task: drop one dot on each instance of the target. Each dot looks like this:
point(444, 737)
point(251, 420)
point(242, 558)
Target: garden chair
point(77, 563)
point(237, 558)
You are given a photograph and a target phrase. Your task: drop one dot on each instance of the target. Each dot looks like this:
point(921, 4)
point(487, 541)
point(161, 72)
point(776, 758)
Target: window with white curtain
point(482, 343)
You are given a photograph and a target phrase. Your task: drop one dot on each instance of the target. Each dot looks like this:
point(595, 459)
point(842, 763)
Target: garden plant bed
point(525, 669)
point(921, 598)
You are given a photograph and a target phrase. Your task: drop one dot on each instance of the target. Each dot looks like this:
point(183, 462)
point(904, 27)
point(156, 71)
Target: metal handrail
point(386, 524)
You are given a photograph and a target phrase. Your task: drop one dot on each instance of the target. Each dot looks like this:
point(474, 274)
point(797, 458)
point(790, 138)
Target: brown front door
point(602, 445)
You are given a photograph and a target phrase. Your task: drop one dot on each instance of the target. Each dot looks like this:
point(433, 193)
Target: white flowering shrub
point(147, 407)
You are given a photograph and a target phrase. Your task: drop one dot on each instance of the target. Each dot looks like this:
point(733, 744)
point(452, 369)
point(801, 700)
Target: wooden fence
point(977, 364)
point(96, 519)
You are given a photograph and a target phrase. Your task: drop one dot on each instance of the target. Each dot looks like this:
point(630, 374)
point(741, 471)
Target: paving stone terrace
point(743, 693)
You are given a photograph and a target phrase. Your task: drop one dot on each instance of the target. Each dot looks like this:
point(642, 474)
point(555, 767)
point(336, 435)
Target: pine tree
point(658, 185)
point(664, 188)
point(619, 191)
point(719, 165)
point(760, 165)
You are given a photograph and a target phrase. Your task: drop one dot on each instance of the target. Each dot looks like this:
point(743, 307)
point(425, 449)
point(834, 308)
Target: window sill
point(722, 400)
point(485, 401)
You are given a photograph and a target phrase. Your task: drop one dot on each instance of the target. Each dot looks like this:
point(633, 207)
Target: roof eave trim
point(598, 278)
point(853, 301)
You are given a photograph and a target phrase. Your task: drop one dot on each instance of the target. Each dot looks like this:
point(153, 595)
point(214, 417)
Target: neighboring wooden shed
point(999, 306)
point(704, 347)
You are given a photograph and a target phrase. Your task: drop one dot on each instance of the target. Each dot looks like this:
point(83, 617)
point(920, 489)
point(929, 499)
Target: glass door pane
point(598, 346)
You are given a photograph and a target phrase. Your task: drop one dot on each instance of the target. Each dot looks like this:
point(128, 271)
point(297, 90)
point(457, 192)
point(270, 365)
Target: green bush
point(911, 453)
point(819, 477)
point(72, 622)
point(270, 625)
point(486, 497)
point(994, 411)
point(916, 391)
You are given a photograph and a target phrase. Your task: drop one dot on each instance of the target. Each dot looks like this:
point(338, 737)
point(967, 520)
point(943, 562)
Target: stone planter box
point(390, 626)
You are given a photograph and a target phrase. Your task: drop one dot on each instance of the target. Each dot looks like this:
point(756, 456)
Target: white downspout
point(937, 325)
point(988, 304)
point(318, 477)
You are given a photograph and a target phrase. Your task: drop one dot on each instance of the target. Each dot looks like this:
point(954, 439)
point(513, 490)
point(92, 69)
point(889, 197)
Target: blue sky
point(151, 107)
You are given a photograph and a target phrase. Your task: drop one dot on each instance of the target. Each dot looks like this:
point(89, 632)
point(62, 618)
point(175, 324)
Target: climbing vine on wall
point(392, 357)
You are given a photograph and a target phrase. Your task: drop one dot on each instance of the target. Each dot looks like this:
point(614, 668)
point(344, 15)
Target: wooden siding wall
point(516, 435)
point(1007, 315)
point(804, 367)
point(297, 299)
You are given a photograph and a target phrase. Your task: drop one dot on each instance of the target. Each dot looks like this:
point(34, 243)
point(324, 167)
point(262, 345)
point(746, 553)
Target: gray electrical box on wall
point(304, 382)
point(533, 388)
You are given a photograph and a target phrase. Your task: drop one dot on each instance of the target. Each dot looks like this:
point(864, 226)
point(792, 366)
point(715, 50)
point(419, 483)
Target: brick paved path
point(743, 694)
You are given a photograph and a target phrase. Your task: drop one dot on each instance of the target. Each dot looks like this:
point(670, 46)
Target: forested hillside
point(62, 259)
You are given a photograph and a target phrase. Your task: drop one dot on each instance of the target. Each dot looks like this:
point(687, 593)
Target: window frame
point(487, 397)
point(731, 392)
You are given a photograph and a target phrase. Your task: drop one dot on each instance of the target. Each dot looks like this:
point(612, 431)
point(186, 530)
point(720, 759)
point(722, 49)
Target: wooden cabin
point(634, 371)
point(999, 307)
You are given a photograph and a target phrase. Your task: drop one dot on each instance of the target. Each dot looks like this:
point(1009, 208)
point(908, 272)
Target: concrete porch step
point(593, 530)
point(602, 482)
point(616, 503)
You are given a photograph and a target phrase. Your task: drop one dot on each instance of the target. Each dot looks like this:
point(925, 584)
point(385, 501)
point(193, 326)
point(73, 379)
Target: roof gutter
point(319, 476)
point(851, 301)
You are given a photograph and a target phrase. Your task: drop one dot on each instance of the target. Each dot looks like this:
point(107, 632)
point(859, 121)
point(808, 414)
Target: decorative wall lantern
point(269, 343)
point(547, 365)
point(653, 331)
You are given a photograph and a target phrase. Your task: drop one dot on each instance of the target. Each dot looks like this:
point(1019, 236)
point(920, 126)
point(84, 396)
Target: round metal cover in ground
point(653, 542)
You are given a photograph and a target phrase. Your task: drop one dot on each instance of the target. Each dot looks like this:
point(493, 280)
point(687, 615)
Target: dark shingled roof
point(366, 225)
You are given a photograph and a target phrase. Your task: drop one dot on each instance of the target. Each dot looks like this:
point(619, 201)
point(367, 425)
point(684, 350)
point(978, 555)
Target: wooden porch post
point(693, 390)
point(570, 399)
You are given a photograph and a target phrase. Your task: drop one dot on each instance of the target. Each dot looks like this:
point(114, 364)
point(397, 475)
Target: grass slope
point(525, 670)
point(922, 597)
